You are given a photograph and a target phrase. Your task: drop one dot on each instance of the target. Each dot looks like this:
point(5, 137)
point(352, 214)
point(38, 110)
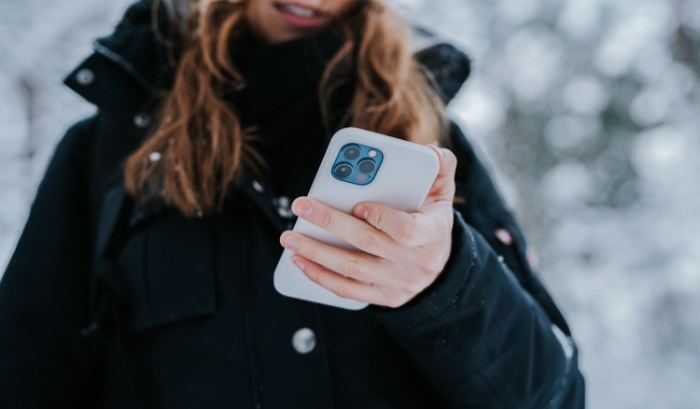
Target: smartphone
point(358, 166)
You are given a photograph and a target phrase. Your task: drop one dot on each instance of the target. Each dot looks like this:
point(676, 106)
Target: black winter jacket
point(114, 304)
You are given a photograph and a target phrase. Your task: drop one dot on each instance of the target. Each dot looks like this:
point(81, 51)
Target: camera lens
point(351, 152)
point(367, 166)
point(343, 170)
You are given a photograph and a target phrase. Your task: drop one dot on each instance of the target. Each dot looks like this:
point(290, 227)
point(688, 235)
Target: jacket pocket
point(168, 270)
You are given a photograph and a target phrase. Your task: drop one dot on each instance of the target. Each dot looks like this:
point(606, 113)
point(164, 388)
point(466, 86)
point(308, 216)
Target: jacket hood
point(449, 66)
point(129, 68)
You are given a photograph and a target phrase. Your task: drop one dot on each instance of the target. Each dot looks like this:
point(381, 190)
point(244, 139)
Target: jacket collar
point(128, 68)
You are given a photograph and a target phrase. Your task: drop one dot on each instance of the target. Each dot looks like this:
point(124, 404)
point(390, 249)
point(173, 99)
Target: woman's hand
point(402, 253)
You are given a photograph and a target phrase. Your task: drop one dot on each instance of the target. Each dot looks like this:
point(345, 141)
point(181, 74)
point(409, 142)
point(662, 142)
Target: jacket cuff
point(443, 293)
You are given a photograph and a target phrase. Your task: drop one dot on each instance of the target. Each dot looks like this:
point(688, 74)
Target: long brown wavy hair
point(198, 149)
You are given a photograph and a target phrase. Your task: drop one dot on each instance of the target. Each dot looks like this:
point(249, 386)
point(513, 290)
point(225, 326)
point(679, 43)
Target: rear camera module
point(356, 163)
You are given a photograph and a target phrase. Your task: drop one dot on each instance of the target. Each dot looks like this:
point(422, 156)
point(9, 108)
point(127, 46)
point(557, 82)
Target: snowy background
point(588, 112)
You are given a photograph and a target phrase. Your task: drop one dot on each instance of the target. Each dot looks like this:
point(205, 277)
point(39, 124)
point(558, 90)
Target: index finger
point(347, 227)
point(443, 188)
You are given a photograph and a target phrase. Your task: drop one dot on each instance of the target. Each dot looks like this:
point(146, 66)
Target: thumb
point(443, 188)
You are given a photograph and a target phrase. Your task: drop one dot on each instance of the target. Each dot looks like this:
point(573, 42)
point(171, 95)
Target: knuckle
point(408, 235)
point(308, 251)
point(414, 287)
point(377, 217)
point(352, 269)
point(432, 265)
point(369, 241)
point(324, 218)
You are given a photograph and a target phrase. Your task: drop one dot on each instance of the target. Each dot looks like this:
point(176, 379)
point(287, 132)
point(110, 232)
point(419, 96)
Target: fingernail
point(301, 207)
point(441, 152)
point(363, 212)
point(290, 242)
point(299, 263)
point(437, 149)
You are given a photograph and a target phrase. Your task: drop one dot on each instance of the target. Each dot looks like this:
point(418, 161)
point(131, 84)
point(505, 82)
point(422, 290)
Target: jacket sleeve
point(481, 338)
point(43, 291)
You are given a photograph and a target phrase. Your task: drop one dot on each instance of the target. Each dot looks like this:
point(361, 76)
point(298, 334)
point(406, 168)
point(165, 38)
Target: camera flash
point(372, 153)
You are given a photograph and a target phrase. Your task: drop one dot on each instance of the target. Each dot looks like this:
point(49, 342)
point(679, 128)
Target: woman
point(144, 275)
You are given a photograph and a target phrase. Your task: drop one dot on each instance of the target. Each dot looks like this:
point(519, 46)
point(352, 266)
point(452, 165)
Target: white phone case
point(402, 181)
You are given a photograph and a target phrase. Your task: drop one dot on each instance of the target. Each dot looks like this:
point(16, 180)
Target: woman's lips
point(300, 16)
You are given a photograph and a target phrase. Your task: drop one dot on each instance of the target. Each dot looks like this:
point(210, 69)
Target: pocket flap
point(169, 269)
